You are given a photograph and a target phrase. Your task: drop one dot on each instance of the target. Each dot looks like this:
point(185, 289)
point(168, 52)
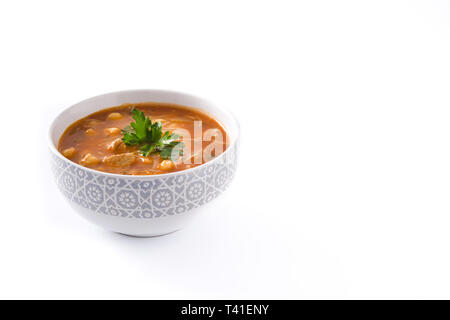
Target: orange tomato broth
point(95, 140)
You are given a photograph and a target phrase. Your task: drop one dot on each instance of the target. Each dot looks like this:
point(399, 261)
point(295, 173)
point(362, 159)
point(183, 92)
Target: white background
point(343, 185)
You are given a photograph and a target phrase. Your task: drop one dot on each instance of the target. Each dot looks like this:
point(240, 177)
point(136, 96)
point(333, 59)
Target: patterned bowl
point(142, 205)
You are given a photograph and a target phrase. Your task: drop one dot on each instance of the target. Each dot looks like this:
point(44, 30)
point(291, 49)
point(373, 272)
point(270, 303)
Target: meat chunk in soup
point(120, 160)
point(117, 146)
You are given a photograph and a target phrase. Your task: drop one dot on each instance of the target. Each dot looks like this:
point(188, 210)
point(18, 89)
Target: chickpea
point(112, 131)
point(115, 116)
point(146, 160)
point(69, 152)
point(92, 122)
point(89, 160)
point(90, 132)
point(166, 165)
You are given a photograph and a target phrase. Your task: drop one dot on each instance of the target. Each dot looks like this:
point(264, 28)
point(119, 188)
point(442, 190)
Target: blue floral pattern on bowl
point(144, 197)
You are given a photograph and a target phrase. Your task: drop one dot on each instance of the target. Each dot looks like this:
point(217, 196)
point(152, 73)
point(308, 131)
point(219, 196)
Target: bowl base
point(152, 235)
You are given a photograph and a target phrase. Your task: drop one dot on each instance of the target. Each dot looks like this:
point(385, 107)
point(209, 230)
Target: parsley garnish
point(150, 137)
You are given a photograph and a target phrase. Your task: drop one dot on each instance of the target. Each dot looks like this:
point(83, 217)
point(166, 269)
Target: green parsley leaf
point(141, 126)
point(130, 139)
point(147, 149)
point(172, 151)
point(150, 137)
point(156, 132)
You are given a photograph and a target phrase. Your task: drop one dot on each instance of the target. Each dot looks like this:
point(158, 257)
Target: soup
point(143, 139)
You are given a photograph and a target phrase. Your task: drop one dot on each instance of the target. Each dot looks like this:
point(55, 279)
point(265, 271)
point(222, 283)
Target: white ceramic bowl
point(142, 205)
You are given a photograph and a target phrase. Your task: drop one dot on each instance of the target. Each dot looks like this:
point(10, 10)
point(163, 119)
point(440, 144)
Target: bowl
point(149, 205)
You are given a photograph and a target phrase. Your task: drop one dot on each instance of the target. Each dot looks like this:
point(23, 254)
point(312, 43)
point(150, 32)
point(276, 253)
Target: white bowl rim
point(151, 176)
